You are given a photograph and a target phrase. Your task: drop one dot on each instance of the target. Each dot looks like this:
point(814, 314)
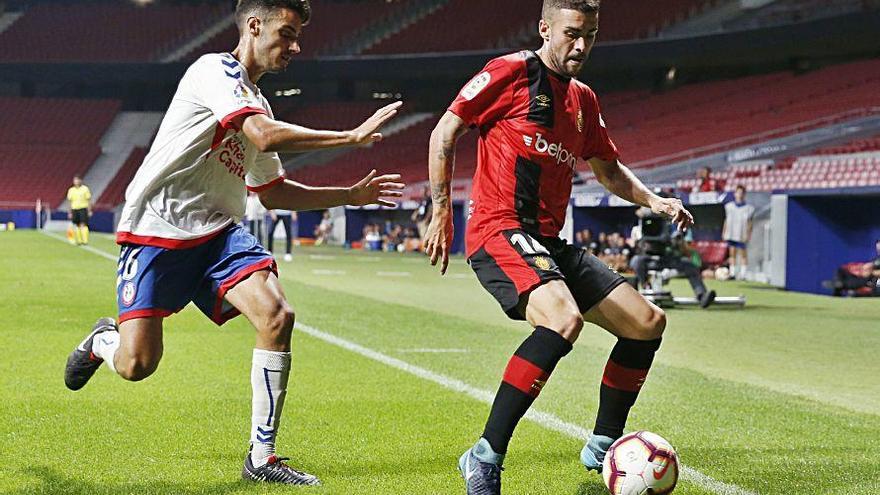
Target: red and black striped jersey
point(535, 125)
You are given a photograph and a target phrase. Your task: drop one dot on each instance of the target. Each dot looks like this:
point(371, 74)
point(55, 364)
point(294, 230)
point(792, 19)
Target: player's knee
point(570, 325)
point(279, 325)
point(654, 324)
point(137, 368)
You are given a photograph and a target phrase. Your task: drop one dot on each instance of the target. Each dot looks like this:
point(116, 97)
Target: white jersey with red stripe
point(194, 181)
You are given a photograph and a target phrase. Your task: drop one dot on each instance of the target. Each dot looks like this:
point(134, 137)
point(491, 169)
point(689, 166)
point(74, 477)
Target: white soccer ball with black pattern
point(640, 463)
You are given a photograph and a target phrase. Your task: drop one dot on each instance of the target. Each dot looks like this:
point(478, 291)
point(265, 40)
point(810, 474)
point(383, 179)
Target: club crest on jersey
point(580, 121)
point(476, 85)
point(556, 150)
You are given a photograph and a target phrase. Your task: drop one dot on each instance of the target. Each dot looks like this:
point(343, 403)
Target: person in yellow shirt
point(80, 211)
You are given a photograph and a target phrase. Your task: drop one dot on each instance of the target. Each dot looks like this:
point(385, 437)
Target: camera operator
point(661, 241)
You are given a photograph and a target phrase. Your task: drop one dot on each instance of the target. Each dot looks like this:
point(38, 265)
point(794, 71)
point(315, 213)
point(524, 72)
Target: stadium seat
point(114, 193)
point(46, 141)
point(126, 33)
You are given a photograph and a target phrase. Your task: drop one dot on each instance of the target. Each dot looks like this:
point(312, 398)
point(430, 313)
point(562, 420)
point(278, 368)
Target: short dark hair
point(246, 7)
point(585, 6)
point(740, 186)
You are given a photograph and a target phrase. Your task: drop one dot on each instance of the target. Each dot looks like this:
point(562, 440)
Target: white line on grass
point(433, 351)
point(394, 274)
point(90, 249)
point(544, 419)
point(320, 271)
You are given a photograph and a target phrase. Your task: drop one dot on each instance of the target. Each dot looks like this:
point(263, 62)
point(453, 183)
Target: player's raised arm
point(619, 179)
point(371, 190)
point(269, 134)
point(441, 162)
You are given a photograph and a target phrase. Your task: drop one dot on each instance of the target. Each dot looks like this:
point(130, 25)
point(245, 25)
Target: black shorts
point(512, 263)
point(80, 216)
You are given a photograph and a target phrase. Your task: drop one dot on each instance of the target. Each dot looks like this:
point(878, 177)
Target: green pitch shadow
point(51, 481)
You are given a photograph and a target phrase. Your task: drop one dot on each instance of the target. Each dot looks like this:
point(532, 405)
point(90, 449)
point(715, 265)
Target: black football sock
point(624, 376)
point(525, 376)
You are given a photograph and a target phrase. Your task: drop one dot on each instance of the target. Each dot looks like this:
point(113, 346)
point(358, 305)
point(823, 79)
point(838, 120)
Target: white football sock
point(104, 346)
point(269, 373)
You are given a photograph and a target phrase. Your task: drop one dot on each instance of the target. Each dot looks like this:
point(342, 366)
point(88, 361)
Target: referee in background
point(80, 211)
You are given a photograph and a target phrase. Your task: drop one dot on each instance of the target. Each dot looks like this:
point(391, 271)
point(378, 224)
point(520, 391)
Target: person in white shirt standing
point(180, 233)
point(737, 231)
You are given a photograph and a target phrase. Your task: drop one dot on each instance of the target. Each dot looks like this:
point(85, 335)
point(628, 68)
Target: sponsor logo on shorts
point(128, 292)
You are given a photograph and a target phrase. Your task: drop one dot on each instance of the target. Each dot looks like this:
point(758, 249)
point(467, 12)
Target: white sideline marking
point(319, 271)
point(433, 351)
point(90, 249)
point(460, 275)
point(321, 257)
point(369, 259)
point(544, 419)
point(394, 274)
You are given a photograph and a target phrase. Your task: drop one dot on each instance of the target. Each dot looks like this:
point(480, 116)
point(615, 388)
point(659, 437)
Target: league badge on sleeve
point(242, 93)
point(476, 85)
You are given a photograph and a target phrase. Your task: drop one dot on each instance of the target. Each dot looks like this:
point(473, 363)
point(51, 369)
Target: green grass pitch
point(782, 397)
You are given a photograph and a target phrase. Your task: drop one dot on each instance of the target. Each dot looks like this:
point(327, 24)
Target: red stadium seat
point(126, 33)
point(46, 141)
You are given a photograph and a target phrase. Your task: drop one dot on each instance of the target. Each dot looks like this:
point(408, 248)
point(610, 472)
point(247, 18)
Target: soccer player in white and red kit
point(536, 121)
point(179, 230)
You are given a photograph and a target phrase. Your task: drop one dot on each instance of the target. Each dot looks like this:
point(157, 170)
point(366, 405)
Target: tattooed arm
point(441, 161)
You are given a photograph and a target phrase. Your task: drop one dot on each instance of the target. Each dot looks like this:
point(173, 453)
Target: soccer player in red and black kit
point(535, 122)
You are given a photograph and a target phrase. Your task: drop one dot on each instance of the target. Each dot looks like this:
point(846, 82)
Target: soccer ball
point(640, 463)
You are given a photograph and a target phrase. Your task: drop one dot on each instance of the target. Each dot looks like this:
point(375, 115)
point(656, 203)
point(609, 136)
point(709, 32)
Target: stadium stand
point(648, 127)
point(46, 141)
point(853, 164)
point(42, 173)
point(720, 115)
point(340, 20)
point(127, 33)
point(114, 193)
point(516, 25)
point(403, 153)
point(326, 115)
point(791, 11)
point(712, 253)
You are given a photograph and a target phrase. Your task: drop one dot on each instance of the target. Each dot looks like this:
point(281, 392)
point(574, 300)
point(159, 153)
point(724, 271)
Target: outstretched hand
point(373, 190)
point(367, 132)
point(674, 209)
